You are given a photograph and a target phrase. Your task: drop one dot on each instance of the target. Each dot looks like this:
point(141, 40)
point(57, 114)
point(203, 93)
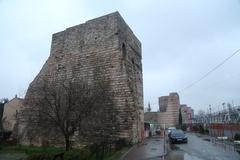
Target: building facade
point(107, 43)
point(10, 113)
point(187, 114)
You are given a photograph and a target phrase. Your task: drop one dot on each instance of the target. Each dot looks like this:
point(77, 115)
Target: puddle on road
point(174, 147)
point(180, 155)
point(177, 154)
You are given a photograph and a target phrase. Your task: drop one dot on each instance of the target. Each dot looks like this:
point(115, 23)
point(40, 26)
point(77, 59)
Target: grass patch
point(29, 150)
point(33, 151)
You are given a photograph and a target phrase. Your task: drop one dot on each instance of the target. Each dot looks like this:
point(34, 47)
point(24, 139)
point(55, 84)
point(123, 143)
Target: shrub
point(184, 127)
point(41, 156)
point(195, 128)
point(83, 154)
point(29, 150)
point(201, 129)
point(206, 131)
point(121, 143)
point(46, 156)
point(237, 136)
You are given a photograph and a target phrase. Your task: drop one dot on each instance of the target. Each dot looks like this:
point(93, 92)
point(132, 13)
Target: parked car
point(170, 129)
point(158, 131)
point(177, 136)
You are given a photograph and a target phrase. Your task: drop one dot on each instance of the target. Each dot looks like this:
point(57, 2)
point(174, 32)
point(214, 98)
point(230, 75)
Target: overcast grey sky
point(181, 41)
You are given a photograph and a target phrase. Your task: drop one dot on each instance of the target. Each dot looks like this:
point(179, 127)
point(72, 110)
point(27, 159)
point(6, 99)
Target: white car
point(170, 129)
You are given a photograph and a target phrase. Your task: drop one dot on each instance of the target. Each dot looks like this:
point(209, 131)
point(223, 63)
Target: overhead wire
point(212, 70)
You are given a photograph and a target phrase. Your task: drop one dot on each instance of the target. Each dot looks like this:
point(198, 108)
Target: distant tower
point(173, 107)
point(163, 103)
point(149, 107)
point(169, 109)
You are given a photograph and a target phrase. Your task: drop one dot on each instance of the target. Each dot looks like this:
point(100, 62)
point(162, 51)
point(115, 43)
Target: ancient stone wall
point(173, 109)
point(163, 103)
point(169, 111)
point(105, 43)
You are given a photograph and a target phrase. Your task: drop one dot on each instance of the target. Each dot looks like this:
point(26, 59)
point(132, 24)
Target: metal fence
point(226, 144)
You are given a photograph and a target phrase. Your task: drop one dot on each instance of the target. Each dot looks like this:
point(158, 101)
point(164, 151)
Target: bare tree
point(62, 108)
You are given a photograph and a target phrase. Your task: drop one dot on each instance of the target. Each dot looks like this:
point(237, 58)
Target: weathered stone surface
point(169, 111)
point(108, 43)
point(11, 109)
point(163, 102)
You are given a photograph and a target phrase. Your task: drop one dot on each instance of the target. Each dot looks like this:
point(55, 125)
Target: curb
point(135, 146)
point(129, 150)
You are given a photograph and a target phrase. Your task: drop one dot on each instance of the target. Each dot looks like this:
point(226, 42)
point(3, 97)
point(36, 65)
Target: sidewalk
point(151, 148)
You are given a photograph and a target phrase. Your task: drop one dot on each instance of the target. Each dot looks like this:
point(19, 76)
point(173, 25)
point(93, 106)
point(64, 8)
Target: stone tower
point(169, 110)
point(163, 102)
point(173, 108)
point(105, 42)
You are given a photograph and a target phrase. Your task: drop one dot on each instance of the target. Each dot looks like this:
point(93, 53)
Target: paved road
point(150, 149)
point(199, 149)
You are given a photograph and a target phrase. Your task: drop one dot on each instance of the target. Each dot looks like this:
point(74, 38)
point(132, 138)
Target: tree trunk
point(67, 143)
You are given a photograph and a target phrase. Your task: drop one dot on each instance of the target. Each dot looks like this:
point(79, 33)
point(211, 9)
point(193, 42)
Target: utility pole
point(210, 109)
point(164, 139)
point(210, 122)
point(223, 123)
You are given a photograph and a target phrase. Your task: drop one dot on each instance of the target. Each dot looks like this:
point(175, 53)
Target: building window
point(124, 51)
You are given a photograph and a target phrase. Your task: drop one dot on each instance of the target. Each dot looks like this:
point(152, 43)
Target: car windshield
point(177, 133)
